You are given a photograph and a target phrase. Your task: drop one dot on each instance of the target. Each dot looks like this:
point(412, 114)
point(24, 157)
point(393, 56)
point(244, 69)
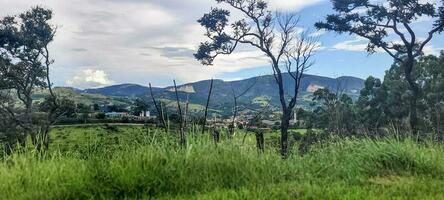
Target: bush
point(100, 116)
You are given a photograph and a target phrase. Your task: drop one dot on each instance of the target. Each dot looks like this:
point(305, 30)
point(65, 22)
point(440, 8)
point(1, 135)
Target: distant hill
point(79, 96)
point(264, 87)
point(123, 90)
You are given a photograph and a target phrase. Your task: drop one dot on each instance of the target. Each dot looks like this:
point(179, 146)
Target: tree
point(379, 23)
point(432, 78)
point(141, 106)
point(275, 35)
point(24, 66)
point(395, 93)
point(336, 112)
point(370, 105)
point(96, 107)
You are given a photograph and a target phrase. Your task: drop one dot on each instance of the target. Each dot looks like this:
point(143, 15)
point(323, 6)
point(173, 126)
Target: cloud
point(431, 50)
point(112, 36)
point(90, 78)
point(358, 44)
point(175, 52)
point(79, 49)
point(318, 33)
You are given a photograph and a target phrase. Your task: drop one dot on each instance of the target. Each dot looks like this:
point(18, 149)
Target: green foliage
point(387, 103)
point(127, 162)
point(24, 67)
point(336, 113)
point(140, 106)
point(384, 105)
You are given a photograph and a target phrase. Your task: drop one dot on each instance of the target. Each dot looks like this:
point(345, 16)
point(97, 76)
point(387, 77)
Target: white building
point(145, 114)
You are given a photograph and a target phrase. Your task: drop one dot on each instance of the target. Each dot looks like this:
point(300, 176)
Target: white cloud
point(118, 36)
point(431, 50)
point(358, 44)
point(89, 78)
point(318, 33)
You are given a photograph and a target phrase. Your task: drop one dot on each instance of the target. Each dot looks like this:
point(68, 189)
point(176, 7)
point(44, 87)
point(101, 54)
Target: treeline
point(383, 105)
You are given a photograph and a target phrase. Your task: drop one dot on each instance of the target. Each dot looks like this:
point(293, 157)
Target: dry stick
point(185, 115)
point(179, 109)
point(206, 107)
point(235, 111)
point(159, 109)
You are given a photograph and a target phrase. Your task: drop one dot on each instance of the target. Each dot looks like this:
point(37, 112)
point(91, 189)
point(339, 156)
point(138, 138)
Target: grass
point(145, 163)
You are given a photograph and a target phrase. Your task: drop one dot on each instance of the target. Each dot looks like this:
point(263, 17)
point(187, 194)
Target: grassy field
point(137, 162)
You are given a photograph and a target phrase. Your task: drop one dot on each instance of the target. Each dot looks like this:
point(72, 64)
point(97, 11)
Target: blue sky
point(332, 62)
point(105, 42)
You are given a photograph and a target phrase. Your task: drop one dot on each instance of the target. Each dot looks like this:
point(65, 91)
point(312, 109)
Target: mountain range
point(262, 87)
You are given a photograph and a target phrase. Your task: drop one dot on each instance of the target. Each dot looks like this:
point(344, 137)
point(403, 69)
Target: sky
point(107, 42)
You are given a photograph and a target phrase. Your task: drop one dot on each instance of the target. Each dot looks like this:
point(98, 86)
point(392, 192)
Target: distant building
point(116, 114)
point(145, 114)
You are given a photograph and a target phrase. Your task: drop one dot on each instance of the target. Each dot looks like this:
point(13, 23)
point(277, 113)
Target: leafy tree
point(24, 66)
point(387, 103)
point(336, 112)
point(141, 106)
point(369, 105)
point(433, 86)
point(275, 35)
point(100, 115)
point(380, 23)
point(96, 107)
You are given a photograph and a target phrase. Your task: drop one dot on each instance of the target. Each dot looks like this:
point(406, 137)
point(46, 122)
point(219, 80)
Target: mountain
point(80, 96)
point(123, 90)
point(263, 87)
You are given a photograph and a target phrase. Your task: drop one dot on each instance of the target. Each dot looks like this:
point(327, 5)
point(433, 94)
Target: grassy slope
point(135, 163)
point(87, 99)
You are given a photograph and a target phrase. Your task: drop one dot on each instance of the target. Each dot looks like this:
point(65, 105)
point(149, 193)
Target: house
point(145, 114)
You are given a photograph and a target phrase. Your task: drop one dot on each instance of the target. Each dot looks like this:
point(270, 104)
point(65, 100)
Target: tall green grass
point(155, 168)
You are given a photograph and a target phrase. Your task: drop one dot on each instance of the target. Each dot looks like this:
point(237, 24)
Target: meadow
point(139, 162)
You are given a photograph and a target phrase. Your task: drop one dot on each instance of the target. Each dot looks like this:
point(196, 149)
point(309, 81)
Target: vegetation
point(275, 35)
point(385, 143)
point(142, 164)
point(383, 105)
point(375, 22)
point(24, 67)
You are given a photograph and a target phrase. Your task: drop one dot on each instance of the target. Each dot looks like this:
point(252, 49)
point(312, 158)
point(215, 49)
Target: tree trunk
point(216, 136)
point(413, 113)
point(260, 141)
point(285, 125)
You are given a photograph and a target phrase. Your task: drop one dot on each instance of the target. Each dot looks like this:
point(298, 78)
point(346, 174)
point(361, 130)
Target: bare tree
point(182, 140)
point(275, 35)
point(206, 106)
